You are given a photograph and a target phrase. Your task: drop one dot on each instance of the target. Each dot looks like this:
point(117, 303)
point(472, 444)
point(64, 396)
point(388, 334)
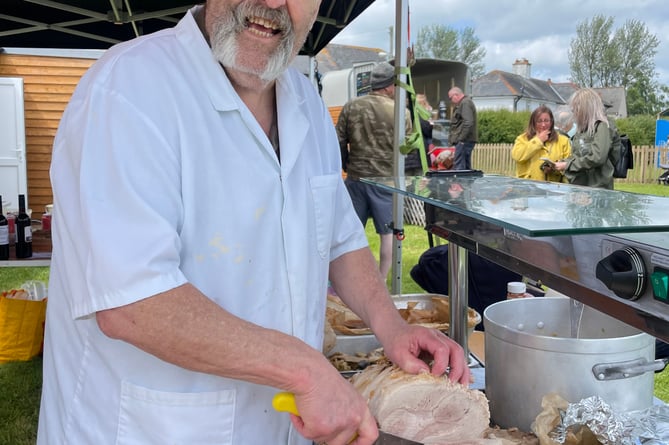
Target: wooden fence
point(496, 158)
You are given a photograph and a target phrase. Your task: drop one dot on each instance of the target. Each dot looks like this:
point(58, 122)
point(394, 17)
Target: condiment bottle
point(442, 110)
point(516, 289)
point(46, 222)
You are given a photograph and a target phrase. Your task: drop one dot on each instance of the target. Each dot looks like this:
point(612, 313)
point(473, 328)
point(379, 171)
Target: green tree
point(646, 97)
point(636, 48)
point(471, 52)
point(602, 57)
point(446, 43)
point(590, 53)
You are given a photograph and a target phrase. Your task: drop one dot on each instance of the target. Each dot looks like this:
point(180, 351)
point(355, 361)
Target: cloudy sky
point(538, 30)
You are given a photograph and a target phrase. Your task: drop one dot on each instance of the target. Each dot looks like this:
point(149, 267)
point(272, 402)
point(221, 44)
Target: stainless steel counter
point(608, 249)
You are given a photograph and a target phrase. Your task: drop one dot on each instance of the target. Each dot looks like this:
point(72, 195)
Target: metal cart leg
point(459, 294)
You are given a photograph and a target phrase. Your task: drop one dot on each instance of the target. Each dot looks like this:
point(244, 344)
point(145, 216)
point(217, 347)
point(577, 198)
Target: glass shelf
point(535, 208)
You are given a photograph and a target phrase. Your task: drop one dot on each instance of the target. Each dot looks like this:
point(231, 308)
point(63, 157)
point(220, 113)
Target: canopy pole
point(313, 64)
point(401, 38)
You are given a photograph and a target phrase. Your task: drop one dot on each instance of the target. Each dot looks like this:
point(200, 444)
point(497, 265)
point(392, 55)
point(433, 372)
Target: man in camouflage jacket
point(366, 138)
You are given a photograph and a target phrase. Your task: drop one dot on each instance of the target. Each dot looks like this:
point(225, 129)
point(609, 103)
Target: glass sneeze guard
point(535, 208)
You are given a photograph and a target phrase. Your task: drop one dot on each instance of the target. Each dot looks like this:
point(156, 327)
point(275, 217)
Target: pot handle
point(626, 369)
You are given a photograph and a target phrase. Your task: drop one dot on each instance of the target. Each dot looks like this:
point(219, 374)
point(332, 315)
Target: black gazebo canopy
point(99, 24)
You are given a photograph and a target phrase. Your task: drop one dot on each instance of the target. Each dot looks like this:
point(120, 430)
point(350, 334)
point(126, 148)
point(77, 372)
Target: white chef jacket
point(162, 176)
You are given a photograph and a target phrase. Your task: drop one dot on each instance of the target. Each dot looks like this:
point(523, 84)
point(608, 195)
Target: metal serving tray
point(363, 344)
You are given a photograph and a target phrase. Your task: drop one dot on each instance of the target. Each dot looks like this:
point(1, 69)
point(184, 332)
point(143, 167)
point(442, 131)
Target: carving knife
point(285, 401)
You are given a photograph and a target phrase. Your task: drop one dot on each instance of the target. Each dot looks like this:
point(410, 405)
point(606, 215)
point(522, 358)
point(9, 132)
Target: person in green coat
point(589, 163)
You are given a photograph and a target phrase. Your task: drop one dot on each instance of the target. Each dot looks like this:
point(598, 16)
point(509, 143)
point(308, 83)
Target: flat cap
point(383, 74)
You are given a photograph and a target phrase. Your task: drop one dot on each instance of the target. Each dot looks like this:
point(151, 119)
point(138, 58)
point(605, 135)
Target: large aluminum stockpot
point(535, 346)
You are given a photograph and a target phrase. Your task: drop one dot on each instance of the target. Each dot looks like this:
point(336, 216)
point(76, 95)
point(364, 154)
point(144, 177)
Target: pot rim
point(549, 343)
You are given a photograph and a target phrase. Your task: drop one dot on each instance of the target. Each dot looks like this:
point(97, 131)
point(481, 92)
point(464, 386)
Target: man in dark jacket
point(463, 132)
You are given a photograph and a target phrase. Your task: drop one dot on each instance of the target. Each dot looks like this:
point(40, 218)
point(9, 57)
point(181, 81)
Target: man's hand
point(333, 412)
point(410, 341)
point(356, 279)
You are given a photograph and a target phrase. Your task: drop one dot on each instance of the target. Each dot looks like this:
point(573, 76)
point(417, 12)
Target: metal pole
point(401, 36)
point(391, 35)
point(458, 260)
point(312, 71)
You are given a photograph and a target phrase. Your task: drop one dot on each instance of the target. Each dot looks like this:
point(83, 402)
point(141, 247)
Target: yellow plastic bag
point(21, 328)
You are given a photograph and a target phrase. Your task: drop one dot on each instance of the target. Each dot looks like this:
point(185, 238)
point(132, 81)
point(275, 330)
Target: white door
point(13, 179)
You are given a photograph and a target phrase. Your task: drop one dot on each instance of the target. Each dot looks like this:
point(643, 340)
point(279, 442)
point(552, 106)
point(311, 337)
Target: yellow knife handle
point(285, 402)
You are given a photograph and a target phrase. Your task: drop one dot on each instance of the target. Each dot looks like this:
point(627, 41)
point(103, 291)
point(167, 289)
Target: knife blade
point(285, 402)
point(391, 439)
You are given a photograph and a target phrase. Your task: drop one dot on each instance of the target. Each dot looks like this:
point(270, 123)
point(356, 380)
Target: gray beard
point(225, 48)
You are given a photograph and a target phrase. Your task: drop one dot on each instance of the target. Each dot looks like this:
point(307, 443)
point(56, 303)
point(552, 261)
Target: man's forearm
point(184, 327)
point(356, 279)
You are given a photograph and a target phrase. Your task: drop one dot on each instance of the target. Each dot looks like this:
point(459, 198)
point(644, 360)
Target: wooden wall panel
point(334, 113)
point(48, 83)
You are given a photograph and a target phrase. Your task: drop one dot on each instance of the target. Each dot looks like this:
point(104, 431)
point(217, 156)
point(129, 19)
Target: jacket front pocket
point(148, 417)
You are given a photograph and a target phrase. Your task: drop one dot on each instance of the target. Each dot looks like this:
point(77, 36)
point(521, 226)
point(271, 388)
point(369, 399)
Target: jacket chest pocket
point(324, 195)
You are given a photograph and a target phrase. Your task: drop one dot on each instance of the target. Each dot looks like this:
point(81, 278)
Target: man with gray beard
point(199, 213)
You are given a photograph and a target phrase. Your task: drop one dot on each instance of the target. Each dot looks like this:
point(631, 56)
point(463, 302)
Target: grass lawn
point(646, 189)
point(20, 383)
point(20, 386)
point(414, 244)
point(14, 277)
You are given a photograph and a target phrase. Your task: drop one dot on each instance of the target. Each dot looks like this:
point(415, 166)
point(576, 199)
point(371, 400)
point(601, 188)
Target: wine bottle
point(24, 234)
point(4, 235)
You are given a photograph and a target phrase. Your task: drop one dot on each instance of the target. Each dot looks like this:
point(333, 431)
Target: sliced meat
point(428, 409)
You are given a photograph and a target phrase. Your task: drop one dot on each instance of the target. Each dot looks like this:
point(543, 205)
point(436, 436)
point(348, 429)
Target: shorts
point(371, 201)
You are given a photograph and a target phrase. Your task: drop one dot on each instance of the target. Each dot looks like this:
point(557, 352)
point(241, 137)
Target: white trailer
point(342, 85)
point(432, 77)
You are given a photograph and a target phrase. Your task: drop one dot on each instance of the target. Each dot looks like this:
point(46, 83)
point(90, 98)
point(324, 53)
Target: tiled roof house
point(338, 57)
point(518, 91)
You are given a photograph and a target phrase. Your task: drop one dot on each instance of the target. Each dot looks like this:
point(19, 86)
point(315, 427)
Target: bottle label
point(4, 235)
point(28, 234)
point(512, 296)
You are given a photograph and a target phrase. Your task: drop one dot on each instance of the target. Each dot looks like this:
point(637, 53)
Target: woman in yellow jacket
point(540, 140)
